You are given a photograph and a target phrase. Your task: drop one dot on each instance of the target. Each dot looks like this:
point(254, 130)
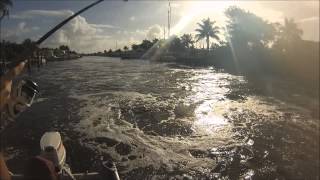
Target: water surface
point(159, 121)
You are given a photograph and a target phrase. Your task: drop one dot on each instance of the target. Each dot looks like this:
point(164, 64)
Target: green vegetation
point(28, 50)
point(187, 41)
point(17, 52)
point(207, 30)
point(253, 47)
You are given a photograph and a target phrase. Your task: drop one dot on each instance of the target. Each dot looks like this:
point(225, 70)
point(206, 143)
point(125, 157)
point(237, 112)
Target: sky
point(115, 24)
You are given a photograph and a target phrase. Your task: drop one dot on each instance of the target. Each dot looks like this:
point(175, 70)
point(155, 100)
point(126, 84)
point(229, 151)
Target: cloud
point(297, 10)
point(85, 37)
point(127, 38)
point(80, 36)
point(305, 14)
point(22, 25)
point(104, 26)
point(17, 33)
point(29, 14)
point(310, 28)
point(314, 18)
point(132, 18)
point(154, 31)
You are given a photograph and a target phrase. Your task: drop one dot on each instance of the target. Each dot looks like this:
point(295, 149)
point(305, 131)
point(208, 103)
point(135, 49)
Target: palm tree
point(290, 31)
point(207, 29)
point(288, 35)
point(125, 48)
point(187, 40)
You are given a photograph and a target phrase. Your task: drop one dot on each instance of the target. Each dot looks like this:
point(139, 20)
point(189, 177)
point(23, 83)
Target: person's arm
point(4, 172)
point(5, 92)
point(6, 84)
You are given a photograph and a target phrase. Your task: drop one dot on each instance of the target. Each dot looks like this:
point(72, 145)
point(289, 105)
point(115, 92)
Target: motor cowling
point(52, 148)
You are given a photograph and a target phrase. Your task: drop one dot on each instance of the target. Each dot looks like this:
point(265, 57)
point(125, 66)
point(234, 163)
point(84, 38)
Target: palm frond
point(199, 30)
point(214, 36)
point(199, 37)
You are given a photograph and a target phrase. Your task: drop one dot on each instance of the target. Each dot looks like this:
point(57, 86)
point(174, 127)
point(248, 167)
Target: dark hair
point(39, 168)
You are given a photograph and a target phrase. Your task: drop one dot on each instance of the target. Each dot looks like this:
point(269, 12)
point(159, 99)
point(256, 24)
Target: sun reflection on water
point(207, 120)
point(208, 91)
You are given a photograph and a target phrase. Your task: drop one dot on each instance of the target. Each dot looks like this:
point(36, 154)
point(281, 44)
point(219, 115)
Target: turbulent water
point(164, 121)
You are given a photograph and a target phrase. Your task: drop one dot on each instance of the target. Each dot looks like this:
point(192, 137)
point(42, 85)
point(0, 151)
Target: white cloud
point(310, 28)
point(22, 25)
point(29, 14)
point(298, 9)
point(154, 31)
point(314, 18)
point(127, 38)
point(17, 33)
point(305, 14)
point(104, 26)
point(132, 18)
point(80, 36)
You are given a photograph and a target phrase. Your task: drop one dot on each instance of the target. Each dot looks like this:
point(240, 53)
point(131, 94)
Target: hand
point(5, 97)
point(4, 172)
point(6, 84)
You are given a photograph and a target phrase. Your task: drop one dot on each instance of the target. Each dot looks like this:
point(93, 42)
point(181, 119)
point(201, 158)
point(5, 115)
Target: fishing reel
point(22, 97)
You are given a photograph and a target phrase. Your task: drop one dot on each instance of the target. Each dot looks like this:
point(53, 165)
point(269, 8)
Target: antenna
point(169, 19)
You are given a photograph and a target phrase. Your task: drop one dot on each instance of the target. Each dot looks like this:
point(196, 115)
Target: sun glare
point(209, 6)
point(185, 20)
point(196, 9)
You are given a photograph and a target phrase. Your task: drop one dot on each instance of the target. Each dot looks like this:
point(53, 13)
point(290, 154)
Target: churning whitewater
point(163, 120)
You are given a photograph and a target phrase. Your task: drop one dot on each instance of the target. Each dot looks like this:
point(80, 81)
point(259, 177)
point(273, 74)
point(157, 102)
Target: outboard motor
point(52, 149)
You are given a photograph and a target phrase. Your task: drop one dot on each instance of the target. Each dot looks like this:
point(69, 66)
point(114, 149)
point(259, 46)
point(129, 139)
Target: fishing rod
point(57, 27)
point(27, 89)
point(36, 45)
point(33, 48)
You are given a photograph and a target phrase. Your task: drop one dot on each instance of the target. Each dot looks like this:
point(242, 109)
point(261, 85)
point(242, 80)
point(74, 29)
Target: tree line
point(252, 47)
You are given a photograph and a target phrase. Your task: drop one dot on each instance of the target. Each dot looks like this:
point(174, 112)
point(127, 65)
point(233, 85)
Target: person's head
point(39, 168)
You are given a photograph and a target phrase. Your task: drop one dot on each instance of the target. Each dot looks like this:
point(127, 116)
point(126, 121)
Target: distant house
point(59, 52)
point(47, 53)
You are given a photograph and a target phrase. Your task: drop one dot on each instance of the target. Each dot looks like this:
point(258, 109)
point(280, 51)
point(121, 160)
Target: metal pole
point(169, 20)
